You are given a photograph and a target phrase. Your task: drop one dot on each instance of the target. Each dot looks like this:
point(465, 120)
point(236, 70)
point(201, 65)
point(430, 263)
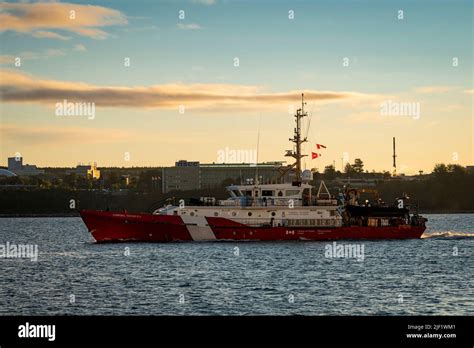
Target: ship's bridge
point(268, 194)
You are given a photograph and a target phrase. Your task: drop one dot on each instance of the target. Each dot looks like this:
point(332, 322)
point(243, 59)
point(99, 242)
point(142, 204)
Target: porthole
point(192, 213)
point(249, 213)
point(234, 213)
point(216, 213)
point(273, 213)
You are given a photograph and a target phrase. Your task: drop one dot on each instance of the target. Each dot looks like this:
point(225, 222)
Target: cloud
point(23, 88)
point(42, 34)
point(80, 48)
point(79, 19)
point(7, 59)
point(434, 89)
point(51, 135)
point(54, 53)
point(191, 26)
point(28, 55)
point(144, 28)
point(48, 135)
point(205, 2)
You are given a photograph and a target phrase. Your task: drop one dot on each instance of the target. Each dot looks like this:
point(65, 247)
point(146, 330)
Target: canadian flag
point(320, 146)
point(315, 155)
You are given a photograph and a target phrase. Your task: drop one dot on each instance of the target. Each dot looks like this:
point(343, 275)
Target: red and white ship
point(263, 212)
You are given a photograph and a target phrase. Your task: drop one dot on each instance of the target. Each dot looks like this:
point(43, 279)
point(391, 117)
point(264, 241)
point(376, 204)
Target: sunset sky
point(183, 97)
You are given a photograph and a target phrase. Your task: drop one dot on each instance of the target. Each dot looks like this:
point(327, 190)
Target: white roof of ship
point(269, 186)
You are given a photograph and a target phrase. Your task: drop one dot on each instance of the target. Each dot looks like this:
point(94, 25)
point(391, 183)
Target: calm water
point(396, 277)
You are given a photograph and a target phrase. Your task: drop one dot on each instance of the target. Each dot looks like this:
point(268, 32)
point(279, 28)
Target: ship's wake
point(447, 234)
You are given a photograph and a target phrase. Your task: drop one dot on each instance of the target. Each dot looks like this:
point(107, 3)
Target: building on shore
point(193, 175)
point(15, 165)
point(88, 171)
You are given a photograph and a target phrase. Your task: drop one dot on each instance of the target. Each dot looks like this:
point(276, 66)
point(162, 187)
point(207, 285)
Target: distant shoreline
point(76, 214)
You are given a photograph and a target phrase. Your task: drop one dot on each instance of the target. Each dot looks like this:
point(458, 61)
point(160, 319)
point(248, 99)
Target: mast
point(258, 147)
point(394, 159)
point(297, 139)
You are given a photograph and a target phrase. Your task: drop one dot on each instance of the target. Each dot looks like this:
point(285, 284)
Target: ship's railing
point(314, 222)
point(325, 201)
point(261, 202)
point(283, 222)
point(229, 202)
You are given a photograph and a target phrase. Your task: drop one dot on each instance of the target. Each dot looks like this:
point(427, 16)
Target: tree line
point(448, 188)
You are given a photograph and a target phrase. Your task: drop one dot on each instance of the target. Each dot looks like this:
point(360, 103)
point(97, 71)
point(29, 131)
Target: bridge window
point(268, 193)
point(292, 192)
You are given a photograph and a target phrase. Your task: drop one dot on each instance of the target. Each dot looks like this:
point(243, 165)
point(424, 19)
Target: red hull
point(120, 227)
